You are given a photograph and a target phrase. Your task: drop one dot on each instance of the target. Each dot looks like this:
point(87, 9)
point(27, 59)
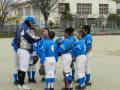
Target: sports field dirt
point(105, 66)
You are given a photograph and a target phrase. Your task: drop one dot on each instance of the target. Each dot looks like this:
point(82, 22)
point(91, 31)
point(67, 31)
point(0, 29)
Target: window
point(84, 9)
point(118, 11)
point(103, 9)
point(20, 11)
point(36, 12)
point(28, 11)
point(62, 7)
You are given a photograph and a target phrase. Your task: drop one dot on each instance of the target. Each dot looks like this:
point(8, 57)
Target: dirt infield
point(105, 65)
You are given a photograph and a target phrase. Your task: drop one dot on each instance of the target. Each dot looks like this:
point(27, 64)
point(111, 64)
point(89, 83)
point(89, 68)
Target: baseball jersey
point(88, 42)
point(79, 48)
point(48, 49)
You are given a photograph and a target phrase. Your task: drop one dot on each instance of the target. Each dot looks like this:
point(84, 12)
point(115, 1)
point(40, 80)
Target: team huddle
point(74, 54)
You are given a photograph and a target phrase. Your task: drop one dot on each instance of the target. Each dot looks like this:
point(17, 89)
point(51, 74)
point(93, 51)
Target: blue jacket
point(65, 47)
point(79, 48)
point(48, 49)
point(88, 42)
point(13, 44)
point(24, 38)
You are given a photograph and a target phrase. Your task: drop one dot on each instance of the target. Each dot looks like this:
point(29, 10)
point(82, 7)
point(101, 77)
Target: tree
point(4, 5)
point(66, 16)
point(113, 17)
point(45, 6)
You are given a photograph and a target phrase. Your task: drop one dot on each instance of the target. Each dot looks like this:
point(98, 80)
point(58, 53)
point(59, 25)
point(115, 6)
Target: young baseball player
point(79, 50)
point(88, 42)
point(15, 62)
point(44, 39)
point(73, 39)
point(49, 59)
point(65, 49)
point(32, 63)
point(24, 40)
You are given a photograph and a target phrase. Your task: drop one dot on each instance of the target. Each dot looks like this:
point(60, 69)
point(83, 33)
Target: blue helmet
point(59, 41)
point(30, 19)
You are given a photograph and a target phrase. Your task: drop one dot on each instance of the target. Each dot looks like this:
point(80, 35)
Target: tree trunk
point(46, 15)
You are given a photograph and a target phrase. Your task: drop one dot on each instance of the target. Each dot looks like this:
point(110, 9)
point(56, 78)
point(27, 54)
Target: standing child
point(49, 59)
point(32, 63)
point(79, 50)
point(88, 42)
point(65, 49)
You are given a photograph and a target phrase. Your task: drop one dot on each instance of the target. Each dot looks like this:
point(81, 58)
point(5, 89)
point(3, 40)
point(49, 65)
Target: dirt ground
point(105, 65)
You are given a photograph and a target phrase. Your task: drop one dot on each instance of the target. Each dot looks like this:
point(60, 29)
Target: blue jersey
point(48, 49)
point(13, 44)
point(39, 45)
point(88, 42)
point(79, 48)
point(65, 47)
point(72, 38)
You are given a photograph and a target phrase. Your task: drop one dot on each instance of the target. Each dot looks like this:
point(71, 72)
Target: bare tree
point(4, 6)
point(45, 6)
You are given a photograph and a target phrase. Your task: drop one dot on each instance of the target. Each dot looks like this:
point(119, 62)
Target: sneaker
point(88, 83)
point(67, 88)
point(33, 80)
point(29, 80)
point(43, 80)
point(23, 87)
point(47, 89)
point(16, 83)
point(80, 88)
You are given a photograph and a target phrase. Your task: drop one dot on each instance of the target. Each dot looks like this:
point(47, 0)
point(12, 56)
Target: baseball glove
point(42, 70)
point(35, 59)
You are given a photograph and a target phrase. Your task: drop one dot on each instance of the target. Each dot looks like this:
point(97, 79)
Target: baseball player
point(32, 63)
point(73, 39)
point(88, 42)
point(65, 49)
point(79, 51)
point(48, 59)
point(24, 41)
point(40, 43)
point(15, 62)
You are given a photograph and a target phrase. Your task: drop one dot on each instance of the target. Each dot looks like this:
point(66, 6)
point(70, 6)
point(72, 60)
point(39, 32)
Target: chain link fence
point(96, 27)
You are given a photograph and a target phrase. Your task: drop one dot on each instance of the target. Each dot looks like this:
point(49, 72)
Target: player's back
point(50, 48)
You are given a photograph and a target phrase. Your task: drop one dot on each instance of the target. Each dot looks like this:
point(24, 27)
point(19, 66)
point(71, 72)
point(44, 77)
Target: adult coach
point(24, 40)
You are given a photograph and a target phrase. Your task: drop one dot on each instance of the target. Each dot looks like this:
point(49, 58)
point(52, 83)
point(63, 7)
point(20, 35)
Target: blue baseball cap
point(30, 19)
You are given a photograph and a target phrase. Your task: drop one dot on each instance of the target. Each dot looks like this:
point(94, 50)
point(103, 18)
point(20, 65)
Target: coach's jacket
point(25, 38)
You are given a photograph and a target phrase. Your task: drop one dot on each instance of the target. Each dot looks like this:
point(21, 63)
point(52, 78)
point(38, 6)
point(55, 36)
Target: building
point(118, 7)
point(90, 9)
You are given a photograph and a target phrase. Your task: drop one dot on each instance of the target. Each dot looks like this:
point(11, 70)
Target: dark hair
point(82, 33)
point(33, 28)
point(87, 28)
point(46, 29)
point(67, 30)
point(71, 29)
point(27, 22)
point(51, 34)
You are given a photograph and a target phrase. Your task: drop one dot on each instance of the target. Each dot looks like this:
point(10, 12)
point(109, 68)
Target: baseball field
point(105, 66)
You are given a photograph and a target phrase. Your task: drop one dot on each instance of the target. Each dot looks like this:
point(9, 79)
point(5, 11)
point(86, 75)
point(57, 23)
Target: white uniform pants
point(24, 57)
point(66, 62)
point(50, 67)
point(80, 66)
point(87, 66)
